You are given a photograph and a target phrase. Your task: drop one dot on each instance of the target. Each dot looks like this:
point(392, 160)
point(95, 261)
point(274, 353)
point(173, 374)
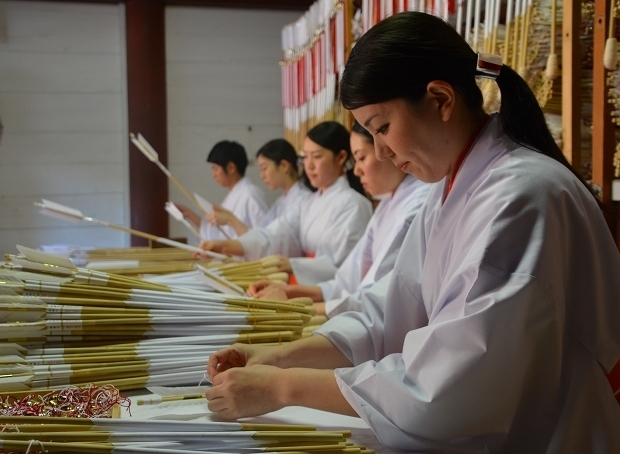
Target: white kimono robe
point(326, 225)
point(375, 254)
point(495, 330)
point(246, 201)
point(295, 195)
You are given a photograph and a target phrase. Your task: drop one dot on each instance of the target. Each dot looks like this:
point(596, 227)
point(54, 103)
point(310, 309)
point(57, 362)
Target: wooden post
point(146, 92)
point(571, 83)
point(603, 133)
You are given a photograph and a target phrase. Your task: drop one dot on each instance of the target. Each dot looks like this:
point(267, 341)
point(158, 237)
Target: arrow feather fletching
point(150, 151)
point(141, 147)
point(63, 209)
point(173, 211)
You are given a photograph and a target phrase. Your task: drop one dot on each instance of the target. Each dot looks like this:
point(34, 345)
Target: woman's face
point(272, 174)
point(321, 165)
point(219, 175)
point(414, 139)
point(377, 177)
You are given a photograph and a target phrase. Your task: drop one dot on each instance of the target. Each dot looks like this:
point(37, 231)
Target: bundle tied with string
point(63, 325)
point(105, 436)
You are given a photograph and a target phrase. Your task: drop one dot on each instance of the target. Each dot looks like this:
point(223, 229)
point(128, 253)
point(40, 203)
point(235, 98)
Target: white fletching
point(150, 151)
point(139, 146)
point(173, 211)
point(58, 211)
point(63, 209)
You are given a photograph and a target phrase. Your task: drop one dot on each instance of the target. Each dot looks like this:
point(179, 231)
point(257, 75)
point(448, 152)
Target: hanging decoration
point(316, 46)
point(613, 79)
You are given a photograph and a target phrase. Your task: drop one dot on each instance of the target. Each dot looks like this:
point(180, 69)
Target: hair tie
point(349, 164)
point(488, 65)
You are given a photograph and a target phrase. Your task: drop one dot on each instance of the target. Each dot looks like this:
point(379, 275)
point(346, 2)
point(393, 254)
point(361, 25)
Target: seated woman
point(374, 255)
point(501, 318)
point(277, 161)
point(318, 233)
point(246, 200)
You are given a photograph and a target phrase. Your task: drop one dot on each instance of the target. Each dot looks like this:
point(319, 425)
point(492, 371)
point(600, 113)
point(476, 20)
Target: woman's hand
point(220, 216)
point(250, 380)
point(249, 391)
point(259, 389)
point(230, 247)
point(273, 293)
point(257, 288)
point(218, 246)
point(284, 265)
point(242, 355)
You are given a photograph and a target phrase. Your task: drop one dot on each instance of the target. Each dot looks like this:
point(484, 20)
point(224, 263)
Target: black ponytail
point(398, 57)
point(523, 120)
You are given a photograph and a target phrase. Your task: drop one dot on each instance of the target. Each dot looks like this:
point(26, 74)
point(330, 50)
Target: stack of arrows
point(103, 436)
point(64, 325)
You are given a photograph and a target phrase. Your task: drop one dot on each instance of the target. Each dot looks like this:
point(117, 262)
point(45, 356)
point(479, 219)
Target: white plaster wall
point(63, 106)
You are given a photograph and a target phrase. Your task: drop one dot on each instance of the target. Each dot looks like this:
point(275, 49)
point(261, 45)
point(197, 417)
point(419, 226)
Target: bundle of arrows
point(63, 325)
point(103, 436)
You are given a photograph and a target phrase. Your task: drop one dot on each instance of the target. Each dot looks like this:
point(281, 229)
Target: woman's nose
point(382, 152)
point(357, 169)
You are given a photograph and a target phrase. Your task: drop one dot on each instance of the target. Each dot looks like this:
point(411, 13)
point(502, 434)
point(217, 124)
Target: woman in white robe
point(277, 161)
point(496, 329)
point(401, 196)
point(317, 234)
point(245, 200)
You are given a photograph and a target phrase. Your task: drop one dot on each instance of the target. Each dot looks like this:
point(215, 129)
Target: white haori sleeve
point(280, 237)
point(312, 270)
point(295, 196)
point(255, 206)
point(496, 331)
point(247, 202)
point(327, 288)
point(359, 335)
point(431, 398)
point(274, 212)
point(375, 254)
point(347, 297)
point(340, 237)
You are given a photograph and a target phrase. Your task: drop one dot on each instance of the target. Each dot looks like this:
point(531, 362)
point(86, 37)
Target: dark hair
point(363, 132)
point(398, 57)
point(278, 150)
point(226, 151)
point(335, 137)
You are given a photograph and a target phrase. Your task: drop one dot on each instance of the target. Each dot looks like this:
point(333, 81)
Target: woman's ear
point(285, 166)
point(342, 157)
point(230, 168)
point(443, 97)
